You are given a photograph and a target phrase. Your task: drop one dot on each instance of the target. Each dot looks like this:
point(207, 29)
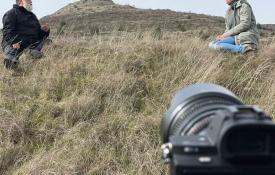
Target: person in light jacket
point(241, 34)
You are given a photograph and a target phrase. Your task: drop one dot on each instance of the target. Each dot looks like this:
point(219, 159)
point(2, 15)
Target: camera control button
point(202, 139)
point(191, 150)
point(205, 160)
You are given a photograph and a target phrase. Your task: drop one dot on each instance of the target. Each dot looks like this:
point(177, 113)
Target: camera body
point(215, 139)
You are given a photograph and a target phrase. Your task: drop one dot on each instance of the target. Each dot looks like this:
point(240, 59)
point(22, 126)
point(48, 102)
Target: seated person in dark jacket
point(21, 30)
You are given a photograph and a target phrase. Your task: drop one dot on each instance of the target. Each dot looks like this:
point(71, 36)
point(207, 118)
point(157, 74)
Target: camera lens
point(191, 109)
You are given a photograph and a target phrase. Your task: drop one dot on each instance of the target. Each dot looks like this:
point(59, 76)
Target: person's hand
point(223, 36)
point(218, 37)
point(16, 46)
point(45, 27)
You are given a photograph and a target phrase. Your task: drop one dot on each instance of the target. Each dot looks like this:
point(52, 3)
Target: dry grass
point(93, 105)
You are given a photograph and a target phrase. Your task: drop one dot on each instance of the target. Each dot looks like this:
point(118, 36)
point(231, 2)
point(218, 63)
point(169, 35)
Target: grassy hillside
point(101, 16)
point(93, 105)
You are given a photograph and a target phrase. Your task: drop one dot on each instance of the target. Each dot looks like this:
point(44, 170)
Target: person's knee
point(211, 44)
point(12, 53)
point(8, 49)
point(214, 45)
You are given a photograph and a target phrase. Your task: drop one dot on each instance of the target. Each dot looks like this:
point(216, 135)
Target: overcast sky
point(263, 9)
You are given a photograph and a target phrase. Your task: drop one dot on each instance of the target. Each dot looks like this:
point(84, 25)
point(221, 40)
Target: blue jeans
point(227, 44)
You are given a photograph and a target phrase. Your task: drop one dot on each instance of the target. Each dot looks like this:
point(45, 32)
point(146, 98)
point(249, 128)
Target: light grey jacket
point(241, 23)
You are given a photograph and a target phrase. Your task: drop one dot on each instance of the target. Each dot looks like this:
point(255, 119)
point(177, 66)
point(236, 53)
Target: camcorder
point(209, 131)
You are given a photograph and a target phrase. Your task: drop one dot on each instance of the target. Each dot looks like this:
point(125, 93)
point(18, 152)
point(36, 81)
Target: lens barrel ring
point(184, 101)
point(185, 119)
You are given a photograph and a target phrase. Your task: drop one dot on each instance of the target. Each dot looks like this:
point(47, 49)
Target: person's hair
point(17, 2)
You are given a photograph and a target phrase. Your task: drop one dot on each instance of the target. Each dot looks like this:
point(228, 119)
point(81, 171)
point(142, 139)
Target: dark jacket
point(20, 25)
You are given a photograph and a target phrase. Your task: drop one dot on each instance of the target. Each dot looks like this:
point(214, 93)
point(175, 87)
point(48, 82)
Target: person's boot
point(247, 49)
point(10, 64)
point(48, 41)
point(35, 54)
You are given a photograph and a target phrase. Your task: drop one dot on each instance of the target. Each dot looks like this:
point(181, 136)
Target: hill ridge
point(94, 16)
point(83, 15)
